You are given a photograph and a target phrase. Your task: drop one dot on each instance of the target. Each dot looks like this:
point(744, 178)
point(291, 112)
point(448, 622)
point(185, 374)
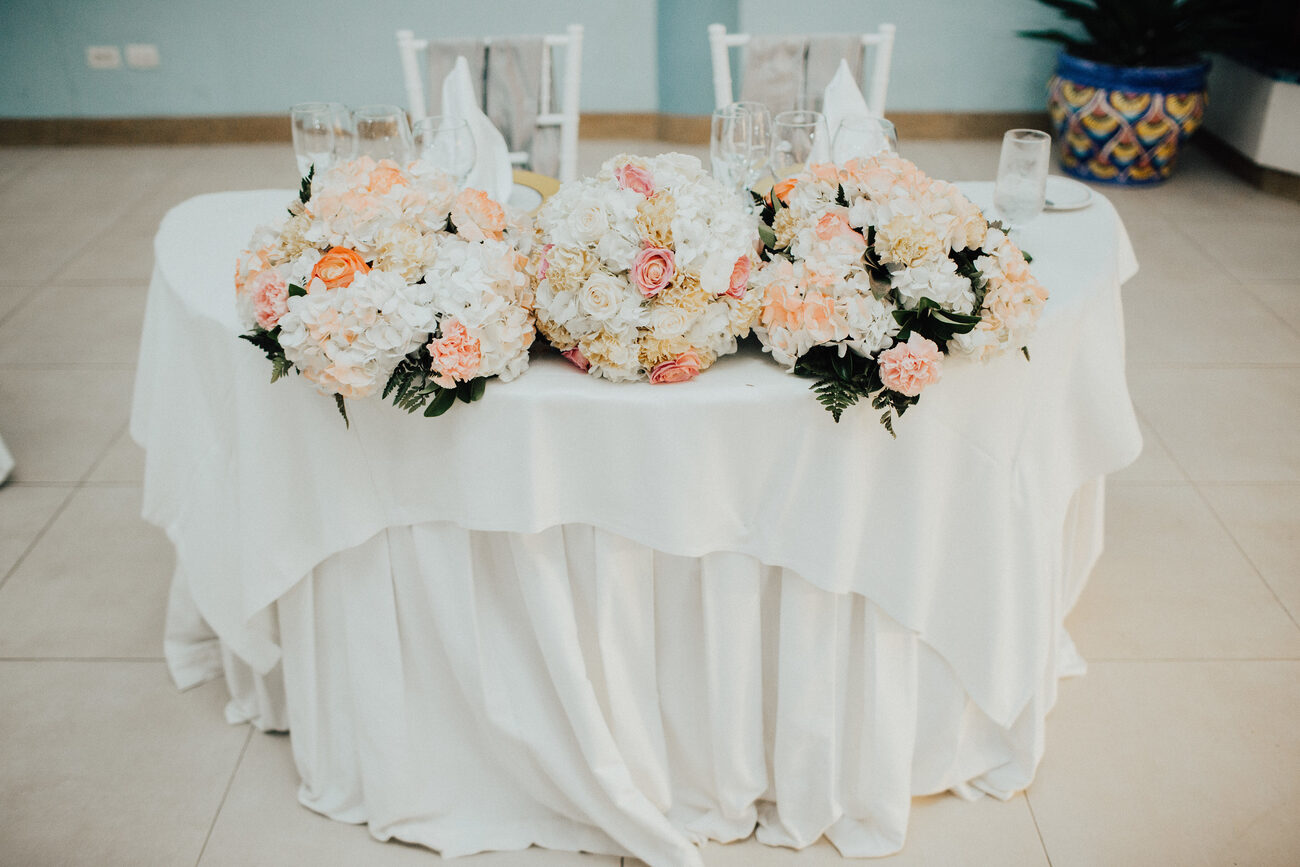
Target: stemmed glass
point(863, 135)
point(383, 133)
point(446, 143)
point(729, 146)
point(1021, 187)
point(799, 138)
point(345, 133)
point(313, 136)
point(760, 141)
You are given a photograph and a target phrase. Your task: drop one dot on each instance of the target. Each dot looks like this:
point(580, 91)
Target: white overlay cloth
point(626, 618)
point(843, 99)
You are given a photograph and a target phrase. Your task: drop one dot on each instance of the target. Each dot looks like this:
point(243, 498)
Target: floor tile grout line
point(36, 540)
point(248, 738)
point(1190, 659)
point(153, 659)
point(1259, 573)
point(1039, 831)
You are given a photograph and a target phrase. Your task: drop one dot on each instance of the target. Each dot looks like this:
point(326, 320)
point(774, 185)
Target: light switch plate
point(103, 57)
point(142, 55)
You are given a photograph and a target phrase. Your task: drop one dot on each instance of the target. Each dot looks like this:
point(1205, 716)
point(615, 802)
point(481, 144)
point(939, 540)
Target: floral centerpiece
point(876, 272)
point(643, 271)
point(386, 280)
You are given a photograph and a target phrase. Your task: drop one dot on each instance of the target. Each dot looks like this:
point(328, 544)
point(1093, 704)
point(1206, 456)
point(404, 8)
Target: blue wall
point(261, 56)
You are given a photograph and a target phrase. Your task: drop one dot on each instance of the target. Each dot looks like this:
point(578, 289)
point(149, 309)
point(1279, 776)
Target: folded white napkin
point(841, 99)
point(492, 172)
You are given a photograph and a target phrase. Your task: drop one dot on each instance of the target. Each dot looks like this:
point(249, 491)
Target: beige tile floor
point(1179, 747)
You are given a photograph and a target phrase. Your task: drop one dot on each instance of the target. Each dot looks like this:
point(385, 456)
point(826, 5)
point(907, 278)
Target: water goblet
point(799, 138)
point(345, 133)
point(729, 147)
point(1020, 192)
point(383, 133)
point(760, 141)
point(313, 136)
point(862, 136)
point(446, 144)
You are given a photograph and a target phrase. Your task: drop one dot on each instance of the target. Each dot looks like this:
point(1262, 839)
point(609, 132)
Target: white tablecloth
point(624, 618)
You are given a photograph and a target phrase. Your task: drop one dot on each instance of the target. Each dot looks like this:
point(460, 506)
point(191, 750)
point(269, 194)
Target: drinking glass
point(383, 133)
point(446, 144)
point(798, 139)
point(1021, 187)
point(729, 146)
point(760, 141)
point(313, 136)
point(863, 135)
point(345, 133)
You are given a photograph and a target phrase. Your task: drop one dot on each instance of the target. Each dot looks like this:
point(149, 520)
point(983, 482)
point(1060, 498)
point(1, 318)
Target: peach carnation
point(270, 291)
point(477, 217)
point(908, 368)
point(456, 354)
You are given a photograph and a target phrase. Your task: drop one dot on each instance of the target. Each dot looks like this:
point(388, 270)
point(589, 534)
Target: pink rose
point(633, 177)
point(908, 368)
point(739, 278)
point(456, 354)
point(579, 360)
point(652, 270)
point(683, 367)
point(833, 224)
point(270, 292)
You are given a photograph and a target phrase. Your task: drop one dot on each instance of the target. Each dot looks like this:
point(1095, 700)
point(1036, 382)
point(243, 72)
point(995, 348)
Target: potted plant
point(1132, 85)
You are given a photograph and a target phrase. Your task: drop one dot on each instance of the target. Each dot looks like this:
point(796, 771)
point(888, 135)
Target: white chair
point(413, 51)
point(882, 41)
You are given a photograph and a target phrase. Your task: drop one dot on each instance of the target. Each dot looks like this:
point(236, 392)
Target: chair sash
point(790, 72)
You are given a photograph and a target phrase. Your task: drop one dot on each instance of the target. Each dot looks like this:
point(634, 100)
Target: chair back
point(880, 43)
point(415, 57)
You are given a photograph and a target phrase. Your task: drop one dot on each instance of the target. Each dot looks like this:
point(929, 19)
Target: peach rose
point(339, 267)
point(683, 367)
point(782, 189)
point(477, 217)
point(386, 175)
point(579, 360)
point(456, 354)
point(833, 224)
point(819, 319)
point(270, 291)
point(908, 368)
point(652, 270)
point(633, 177)
point(739, 278)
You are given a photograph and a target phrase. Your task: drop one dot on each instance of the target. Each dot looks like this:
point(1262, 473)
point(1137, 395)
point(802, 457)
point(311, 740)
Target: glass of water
point(729, 146)
point(383, 133)
point(760, 142)
point(446, 144)
point(1021, 188)
point(313, 136)
point(862, 135)
point(345, 133)
point(799, 138)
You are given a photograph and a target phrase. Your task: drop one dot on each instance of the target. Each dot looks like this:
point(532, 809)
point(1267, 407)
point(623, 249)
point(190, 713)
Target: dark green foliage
point(343, 409)
point(269, 343)
point(304, 190)
point(1152, 32)
point(932, 321)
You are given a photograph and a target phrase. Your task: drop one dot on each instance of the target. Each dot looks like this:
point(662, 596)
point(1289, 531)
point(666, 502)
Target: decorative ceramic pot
point(1122, 125)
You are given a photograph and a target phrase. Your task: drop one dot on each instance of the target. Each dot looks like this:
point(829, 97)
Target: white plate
point(1064, 194)
point(524, 198)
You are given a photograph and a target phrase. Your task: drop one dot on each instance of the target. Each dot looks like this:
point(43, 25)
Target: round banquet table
point(624, 618)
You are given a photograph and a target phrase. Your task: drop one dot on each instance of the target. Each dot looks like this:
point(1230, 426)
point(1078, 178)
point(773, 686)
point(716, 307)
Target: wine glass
point(383, 133)
point(862, 135)
point(799, 138)
point(345, 133)
point(729, 146)
point(1021, 187)
point(446, 143)
point(760, 141)
point(313, 136)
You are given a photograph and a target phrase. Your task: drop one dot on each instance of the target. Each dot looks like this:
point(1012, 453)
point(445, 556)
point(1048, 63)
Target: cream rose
point(601, 296)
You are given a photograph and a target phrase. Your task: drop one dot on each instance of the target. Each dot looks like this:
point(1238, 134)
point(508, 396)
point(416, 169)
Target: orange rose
point(339, 267)
point(385, 176)
point(782, 189)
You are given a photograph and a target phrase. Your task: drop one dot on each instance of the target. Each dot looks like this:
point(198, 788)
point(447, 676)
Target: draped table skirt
point(572, 689)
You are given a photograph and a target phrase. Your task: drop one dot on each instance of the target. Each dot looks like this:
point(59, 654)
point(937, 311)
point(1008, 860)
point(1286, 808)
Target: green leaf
point(441, 402)
point(477, 387)
point(296, 291)
point(343, 410)
point(767, 236)
point(304, 191)
point(1025, 350)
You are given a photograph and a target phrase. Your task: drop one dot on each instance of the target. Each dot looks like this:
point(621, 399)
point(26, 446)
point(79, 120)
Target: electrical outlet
point(142, 56)
point(103, 57)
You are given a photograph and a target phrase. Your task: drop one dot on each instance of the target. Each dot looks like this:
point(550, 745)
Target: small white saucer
point(525, 198)
point(1064, 194)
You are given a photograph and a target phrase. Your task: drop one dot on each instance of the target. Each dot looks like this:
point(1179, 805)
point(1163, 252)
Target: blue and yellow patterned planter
point(1122, 125)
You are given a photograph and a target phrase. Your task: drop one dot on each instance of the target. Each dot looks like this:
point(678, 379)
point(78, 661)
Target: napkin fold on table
point(492, 172)
point(842, 99)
